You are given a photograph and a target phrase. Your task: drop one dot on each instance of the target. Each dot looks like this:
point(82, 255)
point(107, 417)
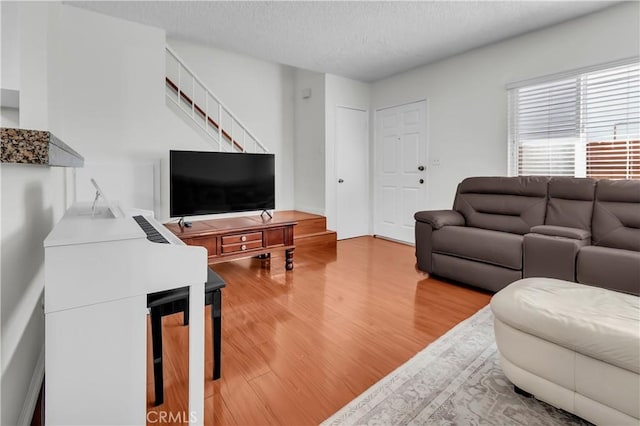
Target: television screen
point(220, 182)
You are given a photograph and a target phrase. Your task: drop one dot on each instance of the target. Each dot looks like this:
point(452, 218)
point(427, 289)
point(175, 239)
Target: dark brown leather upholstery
point(613, 261)
point(611, 268)
point(439, 218)
point(616, 214)
point(562, 231)
point(480, 242)
point(508, 204)
point(550, 250)
point(552, 256)
point(482, 245)
point(424, 238)
point(481, 238)
point(479, 274)
point(570, 202)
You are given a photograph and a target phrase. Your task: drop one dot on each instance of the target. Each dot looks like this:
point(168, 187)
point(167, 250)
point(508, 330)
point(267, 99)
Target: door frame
point(375, 170)
point(367, 157)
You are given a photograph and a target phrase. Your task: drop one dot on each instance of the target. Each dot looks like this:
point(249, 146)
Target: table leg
point(289, 259)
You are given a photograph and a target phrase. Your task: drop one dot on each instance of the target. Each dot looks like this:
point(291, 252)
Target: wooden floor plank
point(298, 345)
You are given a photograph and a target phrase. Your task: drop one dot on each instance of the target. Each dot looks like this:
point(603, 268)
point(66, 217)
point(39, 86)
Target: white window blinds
point(581, 125)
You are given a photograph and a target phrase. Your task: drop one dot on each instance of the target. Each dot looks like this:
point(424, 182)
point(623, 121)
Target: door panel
point(388, 204)
point(401, 148)
point(389, 154)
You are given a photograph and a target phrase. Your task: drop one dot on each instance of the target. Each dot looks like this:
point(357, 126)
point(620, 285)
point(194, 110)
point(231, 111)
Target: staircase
point(223, 129)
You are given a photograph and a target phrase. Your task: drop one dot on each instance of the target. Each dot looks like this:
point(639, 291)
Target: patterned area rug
point(456, 380)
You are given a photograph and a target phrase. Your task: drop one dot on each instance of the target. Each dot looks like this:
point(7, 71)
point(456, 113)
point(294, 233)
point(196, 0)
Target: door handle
point(340, 180)
point(421, 168)
point(421, 181)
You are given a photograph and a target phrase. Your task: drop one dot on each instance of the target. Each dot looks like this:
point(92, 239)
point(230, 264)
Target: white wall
point(2, 27)
point(260, 94)
point(10, 117)
point(32, 200)
point(344, 92)
point(309, 148)
point(10, 46)
point(467, 98)
point(108, 100)
point(107, 94)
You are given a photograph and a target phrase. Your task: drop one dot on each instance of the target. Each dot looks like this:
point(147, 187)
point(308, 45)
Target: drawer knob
point(243, 247)
point(243, 238)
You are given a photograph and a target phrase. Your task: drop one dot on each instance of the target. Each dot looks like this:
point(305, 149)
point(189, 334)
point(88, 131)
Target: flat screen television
point(220, 182)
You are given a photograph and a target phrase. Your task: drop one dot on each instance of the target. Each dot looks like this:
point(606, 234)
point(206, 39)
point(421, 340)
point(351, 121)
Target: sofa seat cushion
point(599, 323)
point(616, 269)
point(483, 245)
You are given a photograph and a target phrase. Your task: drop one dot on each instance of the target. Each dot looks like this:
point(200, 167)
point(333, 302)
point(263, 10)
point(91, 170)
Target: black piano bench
point(173, 301)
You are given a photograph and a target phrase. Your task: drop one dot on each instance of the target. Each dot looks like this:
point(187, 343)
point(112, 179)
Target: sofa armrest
point(561, 231)
point(439, 218)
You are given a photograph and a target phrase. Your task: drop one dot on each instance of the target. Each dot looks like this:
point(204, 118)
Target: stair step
point(310, 226)
point(308, 223)
point(311, 230)
point(318, 239)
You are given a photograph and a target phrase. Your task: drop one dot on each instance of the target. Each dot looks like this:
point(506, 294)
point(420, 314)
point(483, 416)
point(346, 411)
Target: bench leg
point(156, 342)
point(185, 317)
point(216, 319)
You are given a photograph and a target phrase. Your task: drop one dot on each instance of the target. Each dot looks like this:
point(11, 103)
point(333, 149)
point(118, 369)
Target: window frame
point(513, 142)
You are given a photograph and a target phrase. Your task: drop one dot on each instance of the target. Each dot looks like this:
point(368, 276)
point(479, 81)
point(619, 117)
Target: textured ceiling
point(362, 40)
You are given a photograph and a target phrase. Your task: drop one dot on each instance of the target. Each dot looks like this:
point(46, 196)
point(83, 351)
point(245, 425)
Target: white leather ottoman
point(573, 346)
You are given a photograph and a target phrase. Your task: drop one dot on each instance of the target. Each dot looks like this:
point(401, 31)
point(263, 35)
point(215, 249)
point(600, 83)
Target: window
point(583, 125)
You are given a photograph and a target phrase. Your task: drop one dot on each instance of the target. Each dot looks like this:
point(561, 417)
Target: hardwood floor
point(299, 345)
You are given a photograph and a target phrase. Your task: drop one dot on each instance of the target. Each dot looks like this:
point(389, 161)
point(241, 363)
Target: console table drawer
point(240, 247)
point(242, 238)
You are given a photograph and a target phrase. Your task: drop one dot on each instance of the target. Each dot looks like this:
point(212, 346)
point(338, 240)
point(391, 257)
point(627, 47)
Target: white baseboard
point(33, 392)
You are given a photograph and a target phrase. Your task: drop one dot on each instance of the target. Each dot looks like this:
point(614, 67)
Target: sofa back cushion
point(570, 202)
point(508, 204)
point(616, 214)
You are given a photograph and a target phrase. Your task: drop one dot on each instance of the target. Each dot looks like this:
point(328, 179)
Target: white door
point(400, 172)
point(352, 171)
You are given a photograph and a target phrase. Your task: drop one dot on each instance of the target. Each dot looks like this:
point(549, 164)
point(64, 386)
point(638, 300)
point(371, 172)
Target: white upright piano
point(98, 272)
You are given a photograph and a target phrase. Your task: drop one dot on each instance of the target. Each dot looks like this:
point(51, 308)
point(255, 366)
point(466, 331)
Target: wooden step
point(310, 226)
point(311, 230)
point(319, 239)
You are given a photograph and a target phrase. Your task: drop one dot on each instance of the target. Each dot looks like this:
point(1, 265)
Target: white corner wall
point(467, 97)
point(309, 148)
point(260, 93)
point(32, 200)
point(10, 45)
point(107, 95)
point(341, 92)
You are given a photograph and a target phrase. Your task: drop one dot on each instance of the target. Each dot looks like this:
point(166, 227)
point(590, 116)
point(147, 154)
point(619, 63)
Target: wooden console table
point(239, 237)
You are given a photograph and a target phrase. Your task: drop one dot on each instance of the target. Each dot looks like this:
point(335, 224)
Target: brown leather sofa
point(502, 229)
point(613, 258)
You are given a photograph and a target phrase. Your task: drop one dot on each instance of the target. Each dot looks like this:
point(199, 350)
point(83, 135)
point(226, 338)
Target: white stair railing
point(195, 99)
